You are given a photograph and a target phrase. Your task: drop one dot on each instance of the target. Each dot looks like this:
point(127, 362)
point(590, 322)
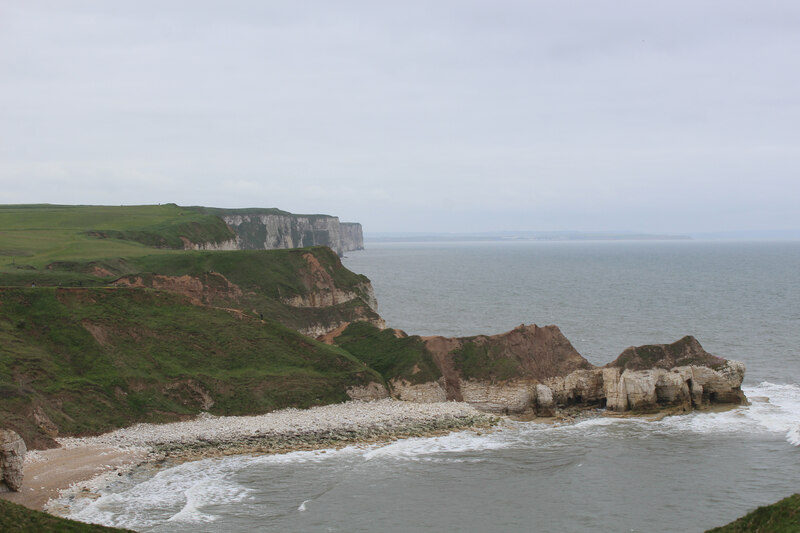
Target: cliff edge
point(269, 229)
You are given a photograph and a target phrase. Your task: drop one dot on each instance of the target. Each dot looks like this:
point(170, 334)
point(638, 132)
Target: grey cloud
point(542, 114)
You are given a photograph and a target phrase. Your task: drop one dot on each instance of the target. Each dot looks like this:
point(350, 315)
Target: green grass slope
point(780, 517)
point(402, 358)
point(90, 360)
point(18, 519)
point(257, 281)
point(93, 246)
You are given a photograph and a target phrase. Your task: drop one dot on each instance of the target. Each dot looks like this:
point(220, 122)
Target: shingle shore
point(291, 429)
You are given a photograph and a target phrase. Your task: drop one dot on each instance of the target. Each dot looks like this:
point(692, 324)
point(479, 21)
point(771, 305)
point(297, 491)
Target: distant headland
point(511, 236)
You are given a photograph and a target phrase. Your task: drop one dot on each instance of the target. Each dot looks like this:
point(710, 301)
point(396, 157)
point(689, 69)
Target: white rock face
point(368, 392)
point(512, 397)
point(622, 390)
point(545, 406)
point(12, 458)
point(271, 231)
point(580, 386)
point(691, 386)
point(430, 392)
point(232, 244)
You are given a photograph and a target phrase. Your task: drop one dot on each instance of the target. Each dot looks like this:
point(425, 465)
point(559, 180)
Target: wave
point(774, 409)
point(175, 494)
point(187, 493)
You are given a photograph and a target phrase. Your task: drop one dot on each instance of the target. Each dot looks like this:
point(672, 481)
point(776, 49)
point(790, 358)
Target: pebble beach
point(83, 462)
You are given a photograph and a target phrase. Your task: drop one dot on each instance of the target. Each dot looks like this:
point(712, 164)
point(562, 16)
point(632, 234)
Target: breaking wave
point(196, 492)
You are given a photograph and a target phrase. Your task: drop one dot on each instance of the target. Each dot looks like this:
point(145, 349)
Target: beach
point(83, 465)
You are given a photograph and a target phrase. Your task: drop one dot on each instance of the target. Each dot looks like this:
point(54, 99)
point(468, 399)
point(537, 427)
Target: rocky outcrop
point(370, 391)
point(232, 244)
point(536, 370)
point(681, 374)
point(321, 291)
point(269, 230)
point(428, 392)
point(12, 458)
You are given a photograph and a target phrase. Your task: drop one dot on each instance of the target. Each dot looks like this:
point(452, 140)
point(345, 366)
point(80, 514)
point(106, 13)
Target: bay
point(683, 473)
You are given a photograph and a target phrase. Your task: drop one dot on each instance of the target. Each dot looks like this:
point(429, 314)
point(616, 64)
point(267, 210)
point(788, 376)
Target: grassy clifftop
point(35, 235)
point(81, 361)
point(105, 321)
point(93, 246)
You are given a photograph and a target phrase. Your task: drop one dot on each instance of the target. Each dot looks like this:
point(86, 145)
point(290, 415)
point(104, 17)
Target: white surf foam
point(177, 494)
point(420, 448)
point(779, 414)
point(184, 493)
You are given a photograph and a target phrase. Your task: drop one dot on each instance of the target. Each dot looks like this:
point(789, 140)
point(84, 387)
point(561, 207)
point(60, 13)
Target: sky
point(439, 116)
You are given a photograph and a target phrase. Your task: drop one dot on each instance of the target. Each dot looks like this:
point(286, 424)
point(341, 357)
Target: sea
point(684, 473)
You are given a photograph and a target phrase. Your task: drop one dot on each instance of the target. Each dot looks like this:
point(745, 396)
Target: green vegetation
point(683, 352)
point(93, 246)
point(18, 519)
point(781, 517)
point(106, 321)
point(36, 235)
point(90, 360)
point(482, 361)
point(392, 357)
point(273, 274)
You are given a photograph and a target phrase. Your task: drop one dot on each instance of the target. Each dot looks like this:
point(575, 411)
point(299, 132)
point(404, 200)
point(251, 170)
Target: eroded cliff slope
point(86, 360)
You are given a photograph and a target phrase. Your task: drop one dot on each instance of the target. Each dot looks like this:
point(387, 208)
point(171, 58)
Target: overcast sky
point(654, 116)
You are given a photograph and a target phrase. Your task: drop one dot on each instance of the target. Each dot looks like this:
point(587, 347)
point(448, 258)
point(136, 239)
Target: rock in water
point(678, 374)
point(12, 458)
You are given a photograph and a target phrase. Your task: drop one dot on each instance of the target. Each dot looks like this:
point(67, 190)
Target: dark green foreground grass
point(780, 517)
point(18, 519)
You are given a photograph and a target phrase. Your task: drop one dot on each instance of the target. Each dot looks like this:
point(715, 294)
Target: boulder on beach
point(12, 458)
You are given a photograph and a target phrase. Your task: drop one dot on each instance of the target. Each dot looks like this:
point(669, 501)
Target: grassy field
point(780, 517)
point(36, 235)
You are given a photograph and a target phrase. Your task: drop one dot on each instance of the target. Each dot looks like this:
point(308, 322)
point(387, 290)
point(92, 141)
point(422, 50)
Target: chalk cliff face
point(352, 236)
point(535, 370)
point(267, 231)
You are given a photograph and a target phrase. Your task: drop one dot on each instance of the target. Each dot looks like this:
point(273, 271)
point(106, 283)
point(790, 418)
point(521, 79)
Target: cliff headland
point(533, 370)
point(111, 317)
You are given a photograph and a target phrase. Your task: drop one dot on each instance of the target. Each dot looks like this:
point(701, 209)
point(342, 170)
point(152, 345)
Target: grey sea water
point(685, 473)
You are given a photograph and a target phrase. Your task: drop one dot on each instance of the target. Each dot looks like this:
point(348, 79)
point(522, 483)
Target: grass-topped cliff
point(91, 246)
point(105, 320)
point(36, 235)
